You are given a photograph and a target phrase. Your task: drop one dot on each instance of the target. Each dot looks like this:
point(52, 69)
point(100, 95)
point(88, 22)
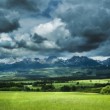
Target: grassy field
point(83, 82)
point(53, 101)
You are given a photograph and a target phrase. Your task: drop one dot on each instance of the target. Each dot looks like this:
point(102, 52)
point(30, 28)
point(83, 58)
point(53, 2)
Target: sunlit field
point(53, 101)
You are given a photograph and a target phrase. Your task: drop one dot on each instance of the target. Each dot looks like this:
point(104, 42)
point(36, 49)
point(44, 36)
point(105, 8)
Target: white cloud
point(50, 45)
point(46, 28)
point(5, 37)
point(100, 58)
point(6, 41)
point(25, 37)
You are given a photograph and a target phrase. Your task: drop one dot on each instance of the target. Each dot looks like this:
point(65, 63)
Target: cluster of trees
point(43, 86)
point(12, 86)
point(66, 88)
point(47, 86)
point(105, 90)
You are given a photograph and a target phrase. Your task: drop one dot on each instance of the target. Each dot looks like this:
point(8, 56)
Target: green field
point(53, 101)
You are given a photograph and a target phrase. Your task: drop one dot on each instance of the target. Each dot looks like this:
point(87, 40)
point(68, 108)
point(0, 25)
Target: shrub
point(65, 88)
point(15, 89)
point(100, 85)
point(73, 88)
point(77, 83)
point(95, 90)
point(37, 89)
point(26, 88)
point(47, 88)
point(105, 90)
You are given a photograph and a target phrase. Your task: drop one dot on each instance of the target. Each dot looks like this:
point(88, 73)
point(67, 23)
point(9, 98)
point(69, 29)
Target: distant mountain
point(106, 62)
point(60, 62)
point(25, 64)
point(81, 62)
point(53, 61)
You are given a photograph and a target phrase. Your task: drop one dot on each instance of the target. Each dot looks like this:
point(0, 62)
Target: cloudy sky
point(37, 28)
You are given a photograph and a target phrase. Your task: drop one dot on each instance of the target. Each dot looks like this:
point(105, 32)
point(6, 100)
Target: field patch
point(53, 101)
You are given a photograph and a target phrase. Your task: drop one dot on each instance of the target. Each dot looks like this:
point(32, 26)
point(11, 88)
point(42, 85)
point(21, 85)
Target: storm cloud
point(25, 5)
point(37, 38)
point(8, 21)
point(54, 27)
point(87, 20)
point(22, 4)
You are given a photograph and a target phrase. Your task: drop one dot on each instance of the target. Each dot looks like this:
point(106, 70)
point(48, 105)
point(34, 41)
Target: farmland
point(56, 85)
point(85, 96)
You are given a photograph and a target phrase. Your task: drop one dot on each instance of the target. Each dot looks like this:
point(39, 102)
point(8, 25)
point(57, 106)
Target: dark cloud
point(102, 50)
point(29, 5)
point(36, 6)
point(8, 22)
point(27, 9)
point(55, 26)
point(4, 55)
point(33, 42)
point(21, 44)
point(87, 20)
point(7, 25)
point(37, 38)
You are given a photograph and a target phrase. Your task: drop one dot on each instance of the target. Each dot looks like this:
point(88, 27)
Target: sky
point(64, 28)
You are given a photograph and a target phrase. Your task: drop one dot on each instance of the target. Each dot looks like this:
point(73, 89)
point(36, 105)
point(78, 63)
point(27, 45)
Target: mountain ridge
point(53, 61)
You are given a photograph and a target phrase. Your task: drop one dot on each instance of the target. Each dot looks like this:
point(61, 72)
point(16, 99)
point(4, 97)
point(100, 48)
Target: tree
point(73, 88)
point(47, 88)
point(26, 88)
point(65, 88)
point(105, 90)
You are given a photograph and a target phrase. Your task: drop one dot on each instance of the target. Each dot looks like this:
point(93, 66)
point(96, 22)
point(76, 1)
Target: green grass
point(53, 101)
point(83, 82)
point(95, 81)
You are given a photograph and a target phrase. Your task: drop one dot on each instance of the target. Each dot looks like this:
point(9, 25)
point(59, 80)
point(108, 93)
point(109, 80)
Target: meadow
point(53, 101)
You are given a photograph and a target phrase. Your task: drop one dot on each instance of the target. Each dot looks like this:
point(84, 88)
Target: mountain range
point(53, 61)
